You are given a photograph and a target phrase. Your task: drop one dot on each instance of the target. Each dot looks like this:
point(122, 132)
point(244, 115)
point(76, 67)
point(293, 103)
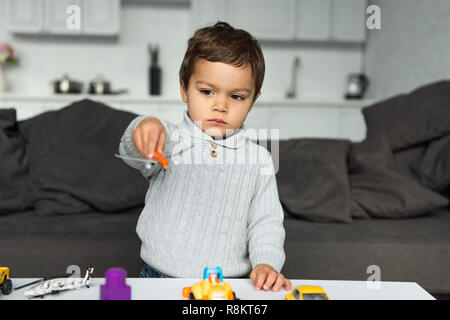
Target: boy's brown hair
point(223, 43)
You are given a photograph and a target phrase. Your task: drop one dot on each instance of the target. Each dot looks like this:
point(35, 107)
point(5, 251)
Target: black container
point(155, 80)
point(154, 72)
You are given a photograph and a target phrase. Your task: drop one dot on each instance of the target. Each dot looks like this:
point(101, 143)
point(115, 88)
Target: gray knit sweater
point(208, 209)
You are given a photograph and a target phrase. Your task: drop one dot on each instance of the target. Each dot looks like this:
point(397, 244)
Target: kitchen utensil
point(101, 86)
point(356, 85)
point(67, 85)
point(154, 71)
point(292, 90)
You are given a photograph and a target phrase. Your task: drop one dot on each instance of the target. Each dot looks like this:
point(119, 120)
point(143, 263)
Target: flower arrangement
point(7, 54)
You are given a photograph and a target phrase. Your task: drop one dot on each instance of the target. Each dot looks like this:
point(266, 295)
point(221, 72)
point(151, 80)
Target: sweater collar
point(235, 140)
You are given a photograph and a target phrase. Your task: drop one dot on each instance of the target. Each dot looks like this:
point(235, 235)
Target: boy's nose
point(220, 104)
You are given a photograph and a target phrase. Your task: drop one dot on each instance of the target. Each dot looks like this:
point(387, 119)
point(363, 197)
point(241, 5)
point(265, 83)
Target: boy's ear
point(183, 91)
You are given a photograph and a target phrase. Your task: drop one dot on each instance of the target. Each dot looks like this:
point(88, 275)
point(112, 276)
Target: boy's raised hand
point(149, 136)
point(264, 276)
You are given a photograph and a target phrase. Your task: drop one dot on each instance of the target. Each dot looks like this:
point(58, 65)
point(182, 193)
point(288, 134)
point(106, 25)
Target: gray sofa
point(416, 249)
point(348, 206)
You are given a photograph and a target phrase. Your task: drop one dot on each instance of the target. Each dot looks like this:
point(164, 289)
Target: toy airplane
point(148, 163)
point(55, 286)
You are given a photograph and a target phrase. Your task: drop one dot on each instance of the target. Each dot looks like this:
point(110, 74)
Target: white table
point(171, 289)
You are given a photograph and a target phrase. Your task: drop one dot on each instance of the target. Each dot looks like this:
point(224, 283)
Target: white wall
point(124, 60)
point(411, 49)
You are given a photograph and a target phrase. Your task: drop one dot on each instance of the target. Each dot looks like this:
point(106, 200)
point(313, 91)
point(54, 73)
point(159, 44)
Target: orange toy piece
point(161, 159)
point(212, 287)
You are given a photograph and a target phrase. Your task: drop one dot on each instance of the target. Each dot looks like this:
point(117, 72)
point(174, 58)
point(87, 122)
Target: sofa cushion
point(382, 191)
point(433, 170)
point(410, 119)
point(312, 179)
point(71, 160)
point(14, 194)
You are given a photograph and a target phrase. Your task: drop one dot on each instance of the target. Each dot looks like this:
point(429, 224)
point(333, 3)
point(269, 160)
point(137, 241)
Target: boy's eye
point(237, 97)
point(234, 96)
point(205, 91)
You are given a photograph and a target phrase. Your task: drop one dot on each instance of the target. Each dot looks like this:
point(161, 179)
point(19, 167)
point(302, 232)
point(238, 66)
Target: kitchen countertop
point(127, 98)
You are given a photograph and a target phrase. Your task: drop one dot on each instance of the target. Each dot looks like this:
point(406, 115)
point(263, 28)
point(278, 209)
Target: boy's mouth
point(217, 121)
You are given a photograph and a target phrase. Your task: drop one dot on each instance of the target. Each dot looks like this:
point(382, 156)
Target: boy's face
point(222, 91)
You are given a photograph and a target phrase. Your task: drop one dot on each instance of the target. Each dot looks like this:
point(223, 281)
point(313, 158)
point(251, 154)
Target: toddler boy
point(217, 203)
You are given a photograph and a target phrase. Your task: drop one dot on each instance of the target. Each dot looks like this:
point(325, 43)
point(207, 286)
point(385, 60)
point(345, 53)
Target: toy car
point(5, 282)
point(307, 293)
point(211, 287)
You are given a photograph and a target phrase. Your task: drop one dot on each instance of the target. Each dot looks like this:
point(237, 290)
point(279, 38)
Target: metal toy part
point(55, 286)
point(148, 163)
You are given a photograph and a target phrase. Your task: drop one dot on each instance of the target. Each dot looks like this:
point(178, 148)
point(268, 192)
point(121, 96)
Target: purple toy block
point(115, 287)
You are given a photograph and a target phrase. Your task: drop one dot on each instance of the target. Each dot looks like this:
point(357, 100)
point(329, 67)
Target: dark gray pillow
point(71, 160)
point(433, 170)
point(410, 119)
point(13, 166)
point(446, 193)
point(407, 159)
point(379, 189)
point(374, 150)
point(384, 193)
point(312, 179)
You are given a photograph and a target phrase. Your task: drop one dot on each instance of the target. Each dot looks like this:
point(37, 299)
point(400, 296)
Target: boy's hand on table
point(149, 136)
point(264, 276)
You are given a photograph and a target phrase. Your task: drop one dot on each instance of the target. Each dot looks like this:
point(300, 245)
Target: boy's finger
point(135, 139)
point(271, 277)
point(253, 277)
point(162, 142)
point(278, 283)
point(139, 144)
point(151, 145)
point(260, 278)
point(287, 284)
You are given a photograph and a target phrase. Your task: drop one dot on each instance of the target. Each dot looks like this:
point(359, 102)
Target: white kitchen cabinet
point(206, 12)
point(331, 20)
point(293, 119)
point(313, 19)
point(258, 117)
point(141, 109)
point(348, 20)
point(305, 122)
point(25, 16)
point(352, 125)
point(24, 108)
point(287, 20)
point(55, 105)
point(101, 17)
point(56, 16)
point(172, 112)
point(264, 19)
point(97, 17)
